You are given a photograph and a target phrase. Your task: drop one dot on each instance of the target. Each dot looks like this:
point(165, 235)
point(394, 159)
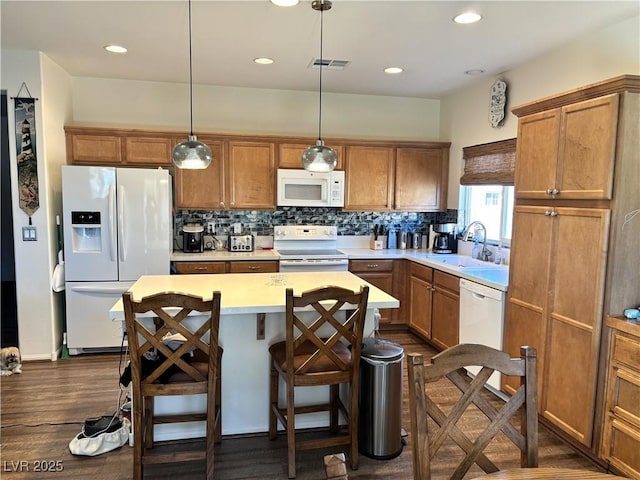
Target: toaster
point(240, 243)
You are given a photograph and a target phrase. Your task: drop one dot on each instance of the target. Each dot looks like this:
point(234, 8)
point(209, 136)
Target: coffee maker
point(193, 238)
point(444, 239)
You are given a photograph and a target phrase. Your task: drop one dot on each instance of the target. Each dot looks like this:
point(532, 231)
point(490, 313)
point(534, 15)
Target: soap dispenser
point(477, 250)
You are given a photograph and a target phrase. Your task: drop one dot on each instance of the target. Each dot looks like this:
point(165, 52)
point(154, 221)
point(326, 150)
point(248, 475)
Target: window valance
point(490, 163)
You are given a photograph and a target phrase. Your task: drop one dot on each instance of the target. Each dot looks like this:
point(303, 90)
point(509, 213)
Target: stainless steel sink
point(462, 261)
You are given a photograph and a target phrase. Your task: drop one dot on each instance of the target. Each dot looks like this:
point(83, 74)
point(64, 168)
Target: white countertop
point(490, 275)
point(254, 292)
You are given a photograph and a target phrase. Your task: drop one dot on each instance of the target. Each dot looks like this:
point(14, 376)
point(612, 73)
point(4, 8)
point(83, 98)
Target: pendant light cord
point(190, 78)
point(321, 62)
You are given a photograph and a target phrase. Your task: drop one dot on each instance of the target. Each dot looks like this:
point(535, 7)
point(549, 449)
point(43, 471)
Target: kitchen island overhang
point(252, 317)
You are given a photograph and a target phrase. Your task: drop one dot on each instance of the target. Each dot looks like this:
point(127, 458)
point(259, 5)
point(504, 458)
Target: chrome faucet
point(485, 253)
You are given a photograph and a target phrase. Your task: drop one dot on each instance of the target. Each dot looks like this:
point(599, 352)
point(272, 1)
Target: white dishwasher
point(481, 319)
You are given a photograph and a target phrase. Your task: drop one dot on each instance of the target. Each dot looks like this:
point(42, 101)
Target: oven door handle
point(339, 261)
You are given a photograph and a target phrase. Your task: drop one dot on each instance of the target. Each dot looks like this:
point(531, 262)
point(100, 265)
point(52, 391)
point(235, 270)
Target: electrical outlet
point(29, 234)
point(211, 227)
point(237, 228)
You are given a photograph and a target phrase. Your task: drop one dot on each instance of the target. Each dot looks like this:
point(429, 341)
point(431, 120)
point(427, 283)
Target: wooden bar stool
point(158, 370)
point(310, 357)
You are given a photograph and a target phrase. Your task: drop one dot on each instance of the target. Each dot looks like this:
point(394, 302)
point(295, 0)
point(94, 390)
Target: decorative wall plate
point(498, 103)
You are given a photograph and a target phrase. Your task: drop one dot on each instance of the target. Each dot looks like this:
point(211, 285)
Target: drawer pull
point(372, 265)
point(251, 267)
point(199, 268)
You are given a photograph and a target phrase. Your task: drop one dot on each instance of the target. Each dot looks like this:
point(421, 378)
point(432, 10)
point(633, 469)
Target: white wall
point(598, 56)
point(109, 102)
point(39, 314)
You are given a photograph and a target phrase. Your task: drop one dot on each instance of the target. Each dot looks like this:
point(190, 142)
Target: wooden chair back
point(170, 313)
point(425, 411)
point(326, 302)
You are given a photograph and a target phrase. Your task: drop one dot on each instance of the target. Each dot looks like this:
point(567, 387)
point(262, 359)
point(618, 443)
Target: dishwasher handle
point(481, 291)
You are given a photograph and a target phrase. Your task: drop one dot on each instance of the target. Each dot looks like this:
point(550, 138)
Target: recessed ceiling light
point(115, 49)
point(393, 70)
point(467, 17)
point(263, 60)
point(285, 3)
point(474, 71)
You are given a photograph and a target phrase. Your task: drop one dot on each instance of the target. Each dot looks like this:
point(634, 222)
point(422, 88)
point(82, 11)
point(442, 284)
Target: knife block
point(375, 244)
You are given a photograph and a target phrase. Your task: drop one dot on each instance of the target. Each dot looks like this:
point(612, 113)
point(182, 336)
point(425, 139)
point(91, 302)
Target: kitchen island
point(252, 317)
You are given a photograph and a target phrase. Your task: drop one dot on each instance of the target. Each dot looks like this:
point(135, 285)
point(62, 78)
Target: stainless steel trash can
point(380, 399)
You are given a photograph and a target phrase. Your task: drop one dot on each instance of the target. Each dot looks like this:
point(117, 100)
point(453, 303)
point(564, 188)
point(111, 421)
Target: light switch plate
point(29, 234)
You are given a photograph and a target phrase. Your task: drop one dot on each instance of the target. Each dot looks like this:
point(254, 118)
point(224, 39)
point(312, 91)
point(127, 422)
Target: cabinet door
point(149, 150)
point(587, 149)
point(525, 322)
point(579, 249)
point(445, 316)
point(369, 178)
point(421, 179)
point(536, 154)
point(202, 189)
point(420, 306)
point(94, 149)
point(378, 273)
point(252, 175)
point(290, 154)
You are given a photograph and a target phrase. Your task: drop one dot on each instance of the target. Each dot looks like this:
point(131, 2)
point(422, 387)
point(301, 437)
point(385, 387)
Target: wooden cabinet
point(94, 146)
point(396, 178)
point(421, 179)
point(621, 437)
point(290, 154)
point(245, 266)
point(369, 175)
point(420, 294)
point(242, 266)
point(203, 189)
point(251, 175)
point(568, 152)
point(555, 305)
point(574, 249)
point(380, 274)
point(445, 315)
point(91, 149)
point(200, 267)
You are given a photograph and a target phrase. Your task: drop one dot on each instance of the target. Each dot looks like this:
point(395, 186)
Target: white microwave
point(300, 188)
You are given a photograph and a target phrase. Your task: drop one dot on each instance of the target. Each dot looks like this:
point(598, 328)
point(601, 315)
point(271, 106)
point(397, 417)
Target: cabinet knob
point(547, 213)
point(555, 191)
point(553, 214)
point(549, 191)
point(222, 204)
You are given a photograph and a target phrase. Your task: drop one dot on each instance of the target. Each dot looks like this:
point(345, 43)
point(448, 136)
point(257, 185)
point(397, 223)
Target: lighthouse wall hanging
point(27, 159)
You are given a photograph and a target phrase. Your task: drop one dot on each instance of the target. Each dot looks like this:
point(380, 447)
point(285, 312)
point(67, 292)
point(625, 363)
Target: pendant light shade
point(191, 154)
point(319, 157)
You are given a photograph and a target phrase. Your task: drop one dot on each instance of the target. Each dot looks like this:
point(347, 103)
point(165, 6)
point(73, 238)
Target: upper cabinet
point(290, 154)
point(251, 175)
point(95, 146)
point(379, 176)
point(396, 177)
point(203, 189)
point(568, 152)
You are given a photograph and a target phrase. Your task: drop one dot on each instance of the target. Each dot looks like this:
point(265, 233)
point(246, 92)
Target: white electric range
point(308, 248)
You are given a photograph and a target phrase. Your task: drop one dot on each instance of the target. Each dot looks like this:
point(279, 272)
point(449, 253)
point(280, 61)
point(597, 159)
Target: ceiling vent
point(329, 63)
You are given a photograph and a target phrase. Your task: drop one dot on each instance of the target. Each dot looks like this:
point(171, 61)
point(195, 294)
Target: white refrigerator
point(117, 226)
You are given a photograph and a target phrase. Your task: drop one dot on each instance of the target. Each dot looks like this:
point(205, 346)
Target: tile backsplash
point(260, 222)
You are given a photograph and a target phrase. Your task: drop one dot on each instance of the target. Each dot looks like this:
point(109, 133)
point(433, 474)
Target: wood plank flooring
point(43, 409)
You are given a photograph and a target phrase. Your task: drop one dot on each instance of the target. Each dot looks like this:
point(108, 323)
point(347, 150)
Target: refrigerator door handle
point(112, 230)
point(98, 290)
point(123, 240)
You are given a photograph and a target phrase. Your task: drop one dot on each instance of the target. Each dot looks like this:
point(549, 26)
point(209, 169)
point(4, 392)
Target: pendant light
point(319, 157)
point(191, 154)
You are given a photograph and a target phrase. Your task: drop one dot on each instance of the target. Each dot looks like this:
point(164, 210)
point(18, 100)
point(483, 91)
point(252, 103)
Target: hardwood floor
point(43, 409)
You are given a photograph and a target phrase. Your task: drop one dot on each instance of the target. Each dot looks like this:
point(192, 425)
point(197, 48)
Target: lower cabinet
point(445, 310)
point(420, 299)
point(244, 266)
point(380, 274)
point(621, 437)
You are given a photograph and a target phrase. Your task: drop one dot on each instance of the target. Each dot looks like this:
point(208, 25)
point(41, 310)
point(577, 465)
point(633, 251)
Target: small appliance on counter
point(193, 238)
point(444, 239)
point(240, 243)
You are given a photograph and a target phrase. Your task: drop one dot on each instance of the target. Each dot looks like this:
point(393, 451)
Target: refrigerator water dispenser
point(86, 232)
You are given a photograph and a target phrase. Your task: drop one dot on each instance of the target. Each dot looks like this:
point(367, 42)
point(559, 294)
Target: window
point(493, 206)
